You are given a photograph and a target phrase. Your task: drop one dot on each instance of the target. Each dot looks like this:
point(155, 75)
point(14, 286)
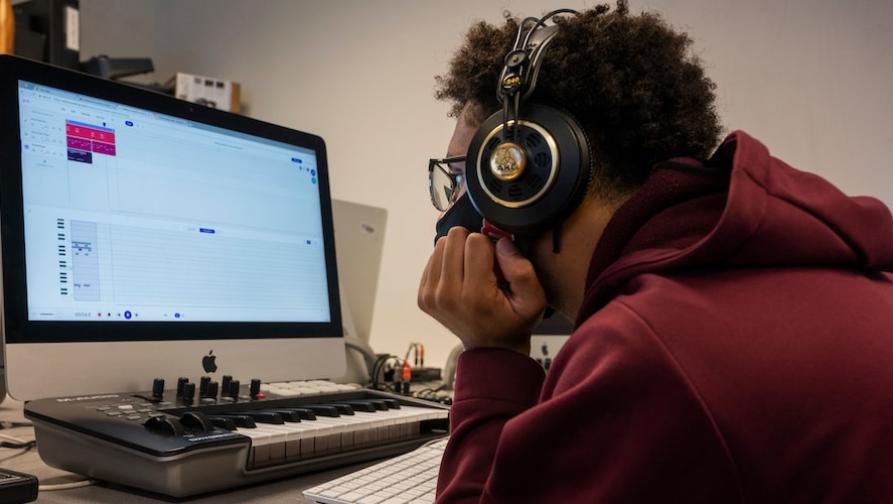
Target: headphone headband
point(522, 66)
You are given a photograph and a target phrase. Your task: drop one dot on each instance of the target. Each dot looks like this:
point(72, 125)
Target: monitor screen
point(147, 237)
point(132, 215)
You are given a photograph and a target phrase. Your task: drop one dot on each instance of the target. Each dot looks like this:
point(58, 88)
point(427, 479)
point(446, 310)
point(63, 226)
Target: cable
point(24, 446)
point(19, 454)
point(66, 486)
point(378, 369)
point(369, 356)
point(413, 346)
point(14, 440)
point(12, 425)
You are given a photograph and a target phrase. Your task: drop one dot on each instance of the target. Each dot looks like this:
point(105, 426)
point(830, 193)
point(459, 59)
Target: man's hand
point(460, 289)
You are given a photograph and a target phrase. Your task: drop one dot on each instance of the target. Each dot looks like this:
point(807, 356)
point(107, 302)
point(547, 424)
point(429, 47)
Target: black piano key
point(240, 420)
point(287, 414)
point(344, 409)
point(323, 410)
point(392, 403)
point(365, 406)
point(379, 404)
point(304, 413)
point(264, 416)
point(223, 423)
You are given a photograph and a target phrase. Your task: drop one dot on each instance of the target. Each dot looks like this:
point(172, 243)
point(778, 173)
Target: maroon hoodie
point(735, 344)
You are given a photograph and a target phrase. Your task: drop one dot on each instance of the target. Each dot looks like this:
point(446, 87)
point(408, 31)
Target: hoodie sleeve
point(615, 421)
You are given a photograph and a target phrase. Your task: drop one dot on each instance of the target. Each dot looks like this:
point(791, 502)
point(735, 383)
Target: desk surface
point(283, 491)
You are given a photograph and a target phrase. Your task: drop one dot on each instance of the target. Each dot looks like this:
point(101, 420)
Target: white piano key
point(261, 442)
point(298, 442)
point(278, 443)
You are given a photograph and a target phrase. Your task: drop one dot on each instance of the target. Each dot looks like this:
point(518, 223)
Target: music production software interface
point(132, 215)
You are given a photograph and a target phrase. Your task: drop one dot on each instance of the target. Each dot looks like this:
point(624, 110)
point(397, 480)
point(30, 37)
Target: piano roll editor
point(172, 268)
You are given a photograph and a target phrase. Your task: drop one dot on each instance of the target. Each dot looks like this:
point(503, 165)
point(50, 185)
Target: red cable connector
point(407, 372)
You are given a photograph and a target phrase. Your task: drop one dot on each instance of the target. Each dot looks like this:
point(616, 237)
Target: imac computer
point(146, 237)
point(549, 337)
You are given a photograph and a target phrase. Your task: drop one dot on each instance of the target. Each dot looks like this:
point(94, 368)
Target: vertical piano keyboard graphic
point(84, 140)
point(84, 261)
point(62, 250)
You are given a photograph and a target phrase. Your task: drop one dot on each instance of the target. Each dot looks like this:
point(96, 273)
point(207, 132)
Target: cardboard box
point(208, 91)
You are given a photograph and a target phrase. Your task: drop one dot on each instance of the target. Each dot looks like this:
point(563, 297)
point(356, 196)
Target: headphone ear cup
point(557, 173)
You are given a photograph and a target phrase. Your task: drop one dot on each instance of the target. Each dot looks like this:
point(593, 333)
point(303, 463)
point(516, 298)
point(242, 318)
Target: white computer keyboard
point(410, 478)
point(306, 387)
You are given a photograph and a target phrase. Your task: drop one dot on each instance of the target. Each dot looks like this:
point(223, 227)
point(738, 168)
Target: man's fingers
point(432, 276)
point(526, 290)
point(453, 265)
point(423, 283)
point(436, 261)
point(478, 261)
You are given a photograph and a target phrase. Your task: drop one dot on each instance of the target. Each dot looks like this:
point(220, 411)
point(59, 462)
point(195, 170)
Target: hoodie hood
point(742, 208)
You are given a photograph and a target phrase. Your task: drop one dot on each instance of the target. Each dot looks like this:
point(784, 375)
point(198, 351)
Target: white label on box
point(207, 91)
point(72, 28)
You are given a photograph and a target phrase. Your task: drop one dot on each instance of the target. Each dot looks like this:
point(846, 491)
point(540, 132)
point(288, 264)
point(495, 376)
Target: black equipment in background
point(49, 31)
point(16, 487)
point(116, 68)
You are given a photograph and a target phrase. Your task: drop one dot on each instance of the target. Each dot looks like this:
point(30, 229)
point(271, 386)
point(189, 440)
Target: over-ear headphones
point(528, 165)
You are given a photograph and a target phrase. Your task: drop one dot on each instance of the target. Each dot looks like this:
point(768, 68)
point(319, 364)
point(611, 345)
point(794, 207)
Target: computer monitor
point(359, 239)
point(549, 336)
point(147, 237)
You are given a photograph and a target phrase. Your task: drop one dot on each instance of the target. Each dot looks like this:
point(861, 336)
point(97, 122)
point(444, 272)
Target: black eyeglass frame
point(443, 164)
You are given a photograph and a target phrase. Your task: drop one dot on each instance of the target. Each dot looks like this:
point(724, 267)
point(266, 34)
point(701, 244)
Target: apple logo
point(208, 362)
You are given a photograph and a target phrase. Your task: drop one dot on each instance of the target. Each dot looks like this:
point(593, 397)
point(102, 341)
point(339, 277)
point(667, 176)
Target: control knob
point(188, 393)
point(181, 382)
point(158, 388)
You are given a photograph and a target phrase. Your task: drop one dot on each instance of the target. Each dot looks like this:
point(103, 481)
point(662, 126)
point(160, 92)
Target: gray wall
point(809, 78)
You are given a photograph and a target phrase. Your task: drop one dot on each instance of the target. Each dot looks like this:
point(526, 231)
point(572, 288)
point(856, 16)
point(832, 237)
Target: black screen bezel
point(18, 329)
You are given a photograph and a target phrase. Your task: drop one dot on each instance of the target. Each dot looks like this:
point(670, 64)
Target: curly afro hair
point(629, 80)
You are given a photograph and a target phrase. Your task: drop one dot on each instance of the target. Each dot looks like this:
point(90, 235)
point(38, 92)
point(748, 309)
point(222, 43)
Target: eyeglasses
point(445, 181)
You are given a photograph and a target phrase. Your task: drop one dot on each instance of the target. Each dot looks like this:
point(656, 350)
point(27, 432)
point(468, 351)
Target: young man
point(734, 316)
